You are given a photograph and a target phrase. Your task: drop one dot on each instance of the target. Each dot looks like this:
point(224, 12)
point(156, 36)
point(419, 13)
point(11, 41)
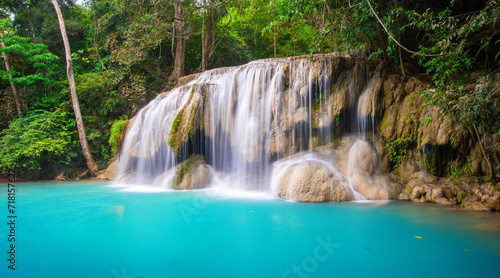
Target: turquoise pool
point(90, 229)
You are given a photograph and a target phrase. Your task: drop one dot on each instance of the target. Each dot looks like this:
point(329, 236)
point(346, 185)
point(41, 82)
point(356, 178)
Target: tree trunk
point(180, 49)
point(274, 33)
point(12, 85)
point(203, 53)
point(74, 98)
point(401, 62)
point(208, 37)
point(485, 156)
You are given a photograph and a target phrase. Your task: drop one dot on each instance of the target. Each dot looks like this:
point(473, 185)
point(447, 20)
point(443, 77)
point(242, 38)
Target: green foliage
point(32, 68)
point(458, 170)
point(100, 102)
point(40, 138)
point(116, 134)
point(174, 137)
point(429, 162)
point(37, 20)
point(452, 58)
point(473, 100)
point(354, 28)
point(97, 95)
point(134, 40)
point(398, 149)
point(462, 197)
point(123, 52)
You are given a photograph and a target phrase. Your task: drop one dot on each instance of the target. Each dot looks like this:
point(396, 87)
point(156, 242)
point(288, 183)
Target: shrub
point(38, 139)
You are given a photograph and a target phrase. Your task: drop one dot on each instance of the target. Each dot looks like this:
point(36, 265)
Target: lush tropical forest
point(124, 53)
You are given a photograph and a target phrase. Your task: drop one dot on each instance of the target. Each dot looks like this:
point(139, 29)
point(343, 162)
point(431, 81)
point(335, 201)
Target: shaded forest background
point(126, 52)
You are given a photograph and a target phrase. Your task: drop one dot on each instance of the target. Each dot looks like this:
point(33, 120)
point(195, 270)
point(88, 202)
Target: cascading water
point(245, 120)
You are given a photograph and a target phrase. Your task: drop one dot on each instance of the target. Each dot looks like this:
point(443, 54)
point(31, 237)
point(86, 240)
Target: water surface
point(89, 229)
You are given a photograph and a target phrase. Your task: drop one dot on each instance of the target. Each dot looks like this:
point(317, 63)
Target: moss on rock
point(193, 174)
point(188, 119)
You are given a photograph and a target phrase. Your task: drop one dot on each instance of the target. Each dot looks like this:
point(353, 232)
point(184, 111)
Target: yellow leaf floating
point(466, 250)
point(418, 237)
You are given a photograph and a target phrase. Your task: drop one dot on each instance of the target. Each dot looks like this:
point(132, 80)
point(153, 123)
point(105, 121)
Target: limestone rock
point(362, 157)
point(278, 142)
point(393, 89)
point(391, 185)
point(339, 97)
point(418, 193)
point(368, 101)
point(493, 203)
point(362, 167)
point(408, 191)
point(482, 197)
point(407, 168)
point(186, 79)
point(413, 85)
point(433, 194)
point(188, 119)
point(423, 187)
point(426, 177)
point(193, 174)
point(111, 171)
point(313, 182)
point(375, 188)
point(384, 156)
point(301, 115)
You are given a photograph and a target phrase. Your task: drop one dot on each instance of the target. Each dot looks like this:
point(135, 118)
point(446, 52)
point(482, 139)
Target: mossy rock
point(193, 174)
point(188, 120)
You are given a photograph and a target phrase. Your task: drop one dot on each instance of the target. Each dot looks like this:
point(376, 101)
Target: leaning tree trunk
point(12, 85)
point(74, 98)
point(180, 50)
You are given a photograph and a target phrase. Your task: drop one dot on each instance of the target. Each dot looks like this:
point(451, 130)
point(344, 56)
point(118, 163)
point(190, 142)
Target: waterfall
point(244, 119)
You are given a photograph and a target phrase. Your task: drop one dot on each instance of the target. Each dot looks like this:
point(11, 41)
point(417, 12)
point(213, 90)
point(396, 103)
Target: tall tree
point(7, 67)
point(209, 41)
point(180, 50)
point(28, 66)
point(74, 98)
point(207, 33)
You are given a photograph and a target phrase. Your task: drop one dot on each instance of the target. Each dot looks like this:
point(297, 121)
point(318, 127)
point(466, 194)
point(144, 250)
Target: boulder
point(362, 167)
point(369, 187)
point(430, 193)
point(312, 181)
point(193, 174)
point(111, 171)
point(363, 158)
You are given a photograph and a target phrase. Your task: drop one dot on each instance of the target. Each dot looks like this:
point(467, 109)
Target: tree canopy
point(125, 52)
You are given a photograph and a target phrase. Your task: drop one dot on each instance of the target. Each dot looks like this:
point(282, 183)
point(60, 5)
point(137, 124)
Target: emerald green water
point(88, 229)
